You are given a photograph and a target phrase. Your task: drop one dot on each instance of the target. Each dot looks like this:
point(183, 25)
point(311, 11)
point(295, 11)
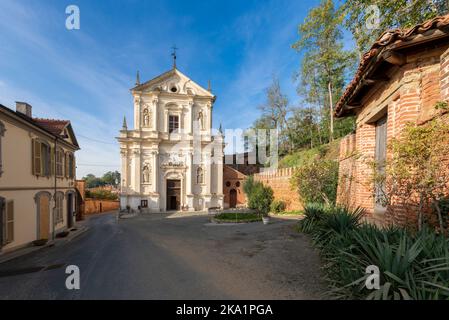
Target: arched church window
point(199, 175)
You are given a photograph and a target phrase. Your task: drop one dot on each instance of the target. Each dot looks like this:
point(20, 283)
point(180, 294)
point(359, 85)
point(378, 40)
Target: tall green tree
point(368, 19)
point(325, 63)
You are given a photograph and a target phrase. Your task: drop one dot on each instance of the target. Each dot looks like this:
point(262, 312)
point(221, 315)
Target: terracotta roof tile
point(387, 38)
point(53, 125)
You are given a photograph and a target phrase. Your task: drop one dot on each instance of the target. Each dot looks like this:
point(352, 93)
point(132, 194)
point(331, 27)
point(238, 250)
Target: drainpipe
point(54, 208)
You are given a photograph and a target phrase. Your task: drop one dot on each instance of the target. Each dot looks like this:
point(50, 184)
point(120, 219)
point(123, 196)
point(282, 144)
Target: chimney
point(23, 108)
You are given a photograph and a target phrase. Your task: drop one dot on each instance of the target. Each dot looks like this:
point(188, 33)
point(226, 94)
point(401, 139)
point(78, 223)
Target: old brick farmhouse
point(399, 80)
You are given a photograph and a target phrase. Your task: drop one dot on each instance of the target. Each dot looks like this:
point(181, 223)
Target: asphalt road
point(171, 257)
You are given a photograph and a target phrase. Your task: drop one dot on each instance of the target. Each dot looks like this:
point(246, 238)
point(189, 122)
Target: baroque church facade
point(172, 160)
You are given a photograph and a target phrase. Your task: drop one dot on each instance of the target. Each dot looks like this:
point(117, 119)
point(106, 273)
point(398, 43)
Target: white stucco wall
point(152, 145)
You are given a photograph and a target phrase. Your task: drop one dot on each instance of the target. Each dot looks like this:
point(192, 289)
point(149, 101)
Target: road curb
point(31, 249)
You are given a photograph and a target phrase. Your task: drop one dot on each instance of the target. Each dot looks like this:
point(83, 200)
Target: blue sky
point(85, 75)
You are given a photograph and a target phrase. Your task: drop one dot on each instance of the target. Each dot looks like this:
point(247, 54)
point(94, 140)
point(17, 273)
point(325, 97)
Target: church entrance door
point(173, 194)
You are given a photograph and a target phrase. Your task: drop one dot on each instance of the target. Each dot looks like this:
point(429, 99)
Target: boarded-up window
point(381, 156)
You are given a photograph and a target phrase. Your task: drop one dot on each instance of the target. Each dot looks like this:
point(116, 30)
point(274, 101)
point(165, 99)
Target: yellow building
point(37, 177)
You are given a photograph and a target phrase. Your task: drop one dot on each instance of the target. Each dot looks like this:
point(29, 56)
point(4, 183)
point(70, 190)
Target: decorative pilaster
point(155, 171)
point(124, 171)
point(155, 114)
point(137, 102)
point(137, 170)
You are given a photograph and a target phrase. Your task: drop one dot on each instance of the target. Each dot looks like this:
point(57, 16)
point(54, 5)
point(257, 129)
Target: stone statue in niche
point(146, 118)
point(201, 119)
point(146, 172)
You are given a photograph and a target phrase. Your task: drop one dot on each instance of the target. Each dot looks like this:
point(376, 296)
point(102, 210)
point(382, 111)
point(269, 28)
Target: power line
point(95, 140)
point(97, 165)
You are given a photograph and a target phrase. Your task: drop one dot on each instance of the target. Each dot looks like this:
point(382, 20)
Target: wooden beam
point(393, 57)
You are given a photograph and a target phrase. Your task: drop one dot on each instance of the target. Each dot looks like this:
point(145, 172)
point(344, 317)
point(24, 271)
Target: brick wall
point(92, 206)
point(279, 181)
point(409, 96)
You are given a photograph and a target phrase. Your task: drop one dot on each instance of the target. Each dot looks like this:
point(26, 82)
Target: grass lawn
point(237, 217)
point(290, 213)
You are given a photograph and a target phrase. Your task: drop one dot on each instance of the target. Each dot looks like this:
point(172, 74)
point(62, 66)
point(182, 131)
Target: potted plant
point(266, 219)
point(260, 199)
point(40, 242)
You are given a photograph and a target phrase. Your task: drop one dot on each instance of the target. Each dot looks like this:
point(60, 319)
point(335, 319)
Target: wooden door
point(381, 156)
point(173, 194)
point(232, 198)
point(44, 217)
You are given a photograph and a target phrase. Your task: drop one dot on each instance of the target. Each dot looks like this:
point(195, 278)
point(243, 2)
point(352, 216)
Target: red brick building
point(399, 80)
point(233, 187)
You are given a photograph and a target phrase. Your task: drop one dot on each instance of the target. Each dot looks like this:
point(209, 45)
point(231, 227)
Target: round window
point(228, 184)
point(173, 89)
point(237, 184)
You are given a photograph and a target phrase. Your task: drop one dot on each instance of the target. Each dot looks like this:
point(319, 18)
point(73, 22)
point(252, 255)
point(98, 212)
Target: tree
point(111, 178)
point(325, 62)
point(361, 16)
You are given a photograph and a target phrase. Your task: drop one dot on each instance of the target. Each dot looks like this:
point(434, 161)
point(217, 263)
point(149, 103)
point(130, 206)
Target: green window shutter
point(37, 158)
point(9, 221)
point(52, 160)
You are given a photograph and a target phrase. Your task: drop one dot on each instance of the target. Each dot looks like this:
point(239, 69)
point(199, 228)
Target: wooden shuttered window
point(73, 167)
point(41, 158)
point(7, 221)
point(66, 164)
point(52, 160)
point(36, 157)
point(59, 162)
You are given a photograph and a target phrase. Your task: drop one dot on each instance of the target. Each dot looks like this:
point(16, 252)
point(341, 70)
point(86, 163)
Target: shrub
point(277, 206)
point(261, 198)
point(317, 181)
point(248, 185)
point(411, 265)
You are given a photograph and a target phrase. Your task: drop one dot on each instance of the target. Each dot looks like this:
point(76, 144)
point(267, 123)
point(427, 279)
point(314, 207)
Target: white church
point(171, 160)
